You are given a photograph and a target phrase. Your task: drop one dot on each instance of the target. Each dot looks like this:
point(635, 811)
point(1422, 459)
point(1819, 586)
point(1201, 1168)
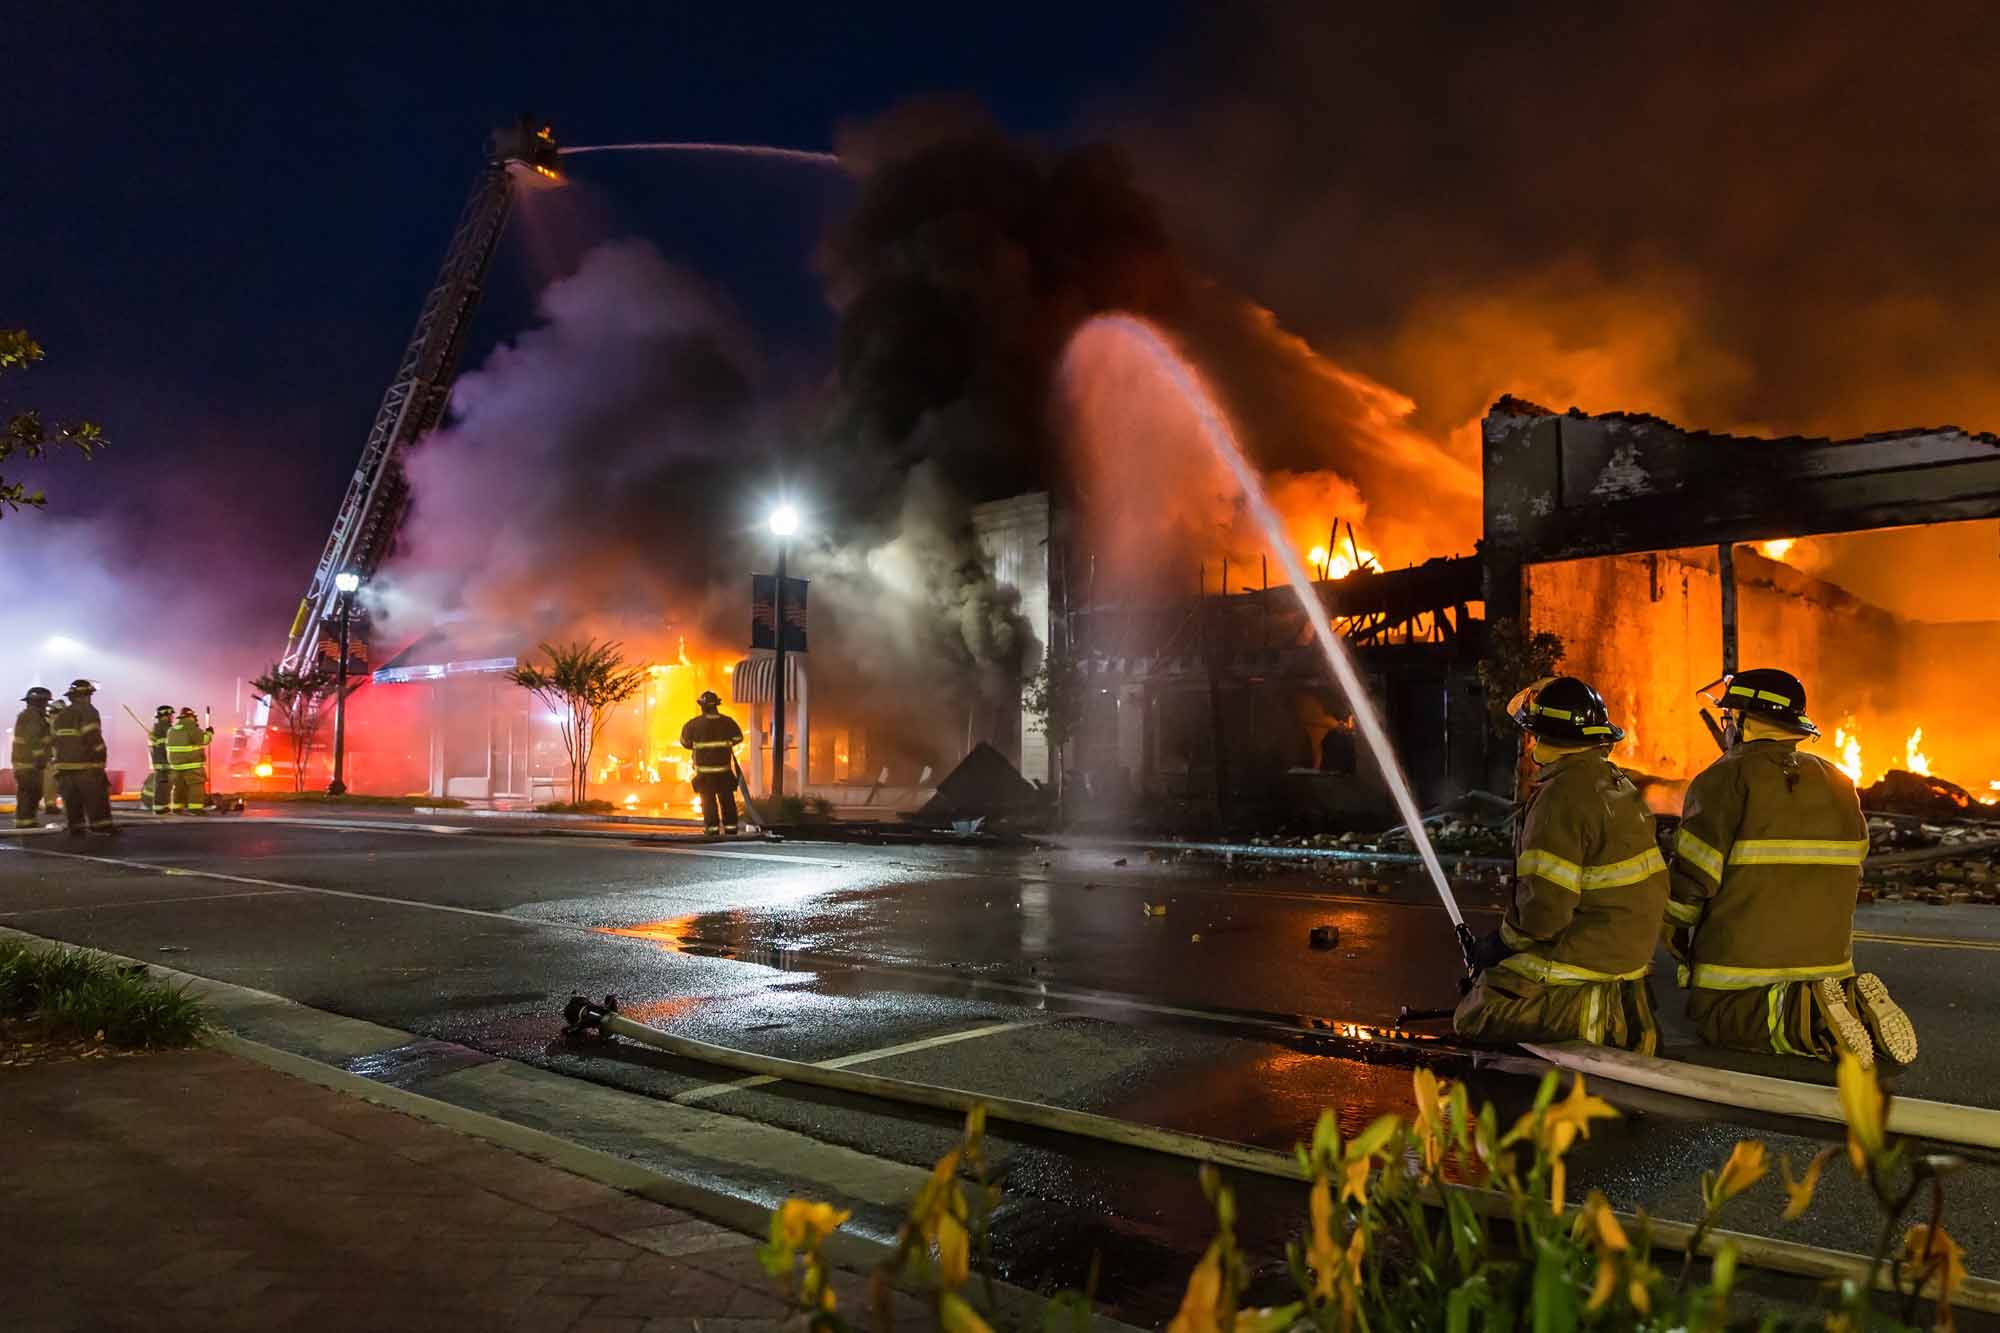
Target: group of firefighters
point(1756, 905)
point(59, 756)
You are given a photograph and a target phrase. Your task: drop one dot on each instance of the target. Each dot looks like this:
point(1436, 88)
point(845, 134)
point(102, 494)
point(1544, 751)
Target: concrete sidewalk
point(196, 1190)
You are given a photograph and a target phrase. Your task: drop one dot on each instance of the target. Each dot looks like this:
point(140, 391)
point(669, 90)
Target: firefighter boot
point(1895, 1036)
point(1837, 1020)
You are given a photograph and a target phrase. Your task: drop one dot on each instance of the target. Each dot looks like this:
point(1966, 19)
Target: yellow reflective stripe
point(713, 745)
point(1563, 874)
point(1781, 700)
point(1560, 714)
point(79, 768)
point(1537, 968)
point(1686, 914)
point(1596, 731)
point(1797, 852)
point(185, 749)
point(66, 731)
point(1514, 939)
point(182, 768)
point(1716, 976)
point(1632, 870)
point(89, 726)
point(1705, 858)
point(1774, 1018)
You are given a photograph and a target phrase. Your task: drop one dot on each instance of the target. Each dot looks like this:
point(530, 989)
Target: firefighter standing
point(187, 758)
point(31, 757)
point(713, 738)
point(1767, 868)
point(160, 785)
point(79, 762)
point(1572, 956)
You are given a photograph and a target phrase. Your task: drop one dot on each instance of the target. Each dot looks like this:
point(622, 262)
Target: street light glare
point(347, 580)
point(62, 645)
point(784, 520)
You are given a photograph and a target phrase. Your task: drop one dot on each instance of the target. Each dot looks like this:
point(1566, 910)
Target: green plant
point(582, 685)
point(26, 435)
point(1441, 1221)
point(1053, 698)
point(77, 993)
point(1514, 660)
point(801, 810)
point(576, 808)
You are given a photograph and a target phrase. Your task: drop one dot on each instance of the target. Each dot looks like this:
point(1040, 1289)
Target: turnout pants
point(718, 810)
point(86, 798)
point(163, 787)
point(1506, 1006)
point(28, 797)
point(1782, 1019)
point(190, 791)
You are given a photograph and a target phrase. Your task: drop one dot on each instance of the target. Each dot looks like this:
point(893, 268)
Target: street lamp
point(784, 522)
point(346, 583)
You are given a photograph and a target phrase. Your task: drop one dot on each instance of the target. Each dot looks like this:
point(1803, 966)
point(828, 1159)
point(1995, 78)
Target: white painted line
point(146, 902)
point(633, 841)
point(712, 1090)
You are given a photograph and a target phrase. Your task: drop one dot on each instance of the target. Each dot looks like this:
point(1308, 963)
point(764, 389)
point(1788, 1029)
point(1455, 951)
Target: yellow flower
point(1936, 1257)
point(1865, 1110)
point(955, 1316)
point(1606, 1283)
point(1570, 1117)
point(805, 1224)
point(1432, 1115)
point(1800, 1191)
point(1603, 1226)
point(1204, 1289)
point(1321, 1250)
point(1642, 1300)
point(1745, 1167)
point(954, 1251)
point(1354, 1180)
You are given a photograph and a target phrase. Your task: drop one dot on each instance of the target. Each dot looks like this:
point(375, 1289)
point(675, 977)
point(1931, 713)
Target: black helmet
point(1565, 710)
point(37, 694)
point(1775, 694)
point(708, 699)
point(81, 686)
point(164, 710)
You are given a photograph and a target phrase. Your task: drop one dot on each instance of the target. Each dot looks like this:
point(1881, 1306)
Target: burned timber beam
point(1562, 486)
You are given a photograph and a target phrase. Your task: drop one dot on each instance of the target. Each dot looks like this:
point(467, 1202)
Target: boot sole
point(1849, 1033)
point(1895, 1036)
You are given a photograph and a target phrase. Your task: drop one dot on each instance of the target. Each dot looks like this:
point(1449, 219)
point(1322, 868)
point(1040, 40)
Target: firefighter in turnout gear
point(1572, 956)
point(187, 758)
point(160, 782)
point(32, 744)
point(713, 738)
point(79, 762)
point(1767, 867)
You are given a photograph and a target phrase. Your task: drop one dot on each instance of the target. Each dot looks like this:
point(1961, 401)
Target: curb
point(1016, 1306)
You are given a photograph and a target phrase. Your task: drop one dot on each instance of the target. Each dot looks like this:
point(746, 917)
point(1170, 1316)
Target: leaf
point(1554, 1305)
point(955, 1316)
point(954, 1251)
point(1371, 1140)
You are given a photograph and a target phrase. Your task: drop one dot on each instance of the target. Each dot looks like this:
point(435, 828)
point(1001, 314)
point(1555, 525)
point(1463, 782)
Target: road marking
point(713, 1090)
point(637, 841)
point(147, 902)
point(1926, 941)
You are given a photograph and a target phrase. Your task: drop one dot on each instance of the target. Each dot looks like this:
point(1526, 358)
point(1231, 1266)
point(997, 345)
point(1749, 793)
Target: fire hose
point(584, 1018)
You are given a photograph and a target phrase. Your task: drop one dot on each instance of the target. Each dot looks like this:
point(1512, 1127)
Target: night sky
point(220, 224)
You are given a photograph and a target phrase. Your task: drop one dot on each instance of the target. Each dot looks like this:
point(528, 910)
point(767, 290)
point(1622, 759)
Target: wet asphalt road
point(1027, 973)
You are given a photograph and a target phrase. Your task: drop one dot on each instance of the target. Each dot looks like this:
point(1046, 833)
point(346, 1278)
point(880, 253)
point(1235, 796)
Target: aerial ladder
point(372, 510)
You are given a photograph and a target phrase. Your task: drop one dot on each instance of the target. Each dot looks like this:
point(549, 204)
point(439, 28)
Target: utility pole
point(347, 582)
point(1726, 568)
point(784, 522)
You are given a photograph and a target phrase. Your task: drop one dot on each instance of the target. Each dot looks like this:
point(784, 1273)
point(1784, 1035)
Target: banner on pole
point(763, 592)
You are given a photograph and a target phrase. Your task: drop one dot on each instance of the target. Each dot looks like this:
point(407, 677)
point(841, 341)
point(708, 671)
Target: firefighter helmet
point(709, 699)
point(80, 686)
point(188, 713)
point(1565, 710)
point(37, 694)
point(1767, 691)
point(164, 710)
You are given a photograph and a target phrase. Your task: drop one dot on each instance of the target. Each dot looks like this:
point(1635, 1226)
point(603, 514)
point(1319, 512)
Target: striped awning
point(750, 680)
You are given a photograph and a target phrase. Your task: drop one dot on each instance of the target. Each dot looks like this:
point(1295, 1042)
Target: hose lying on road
point(582, 1015)
point(1968, 1126)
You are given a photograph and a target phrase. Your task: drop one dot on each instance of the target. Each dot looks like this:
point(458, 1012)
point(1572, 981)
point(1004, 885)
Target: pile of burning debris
point(1930, 841)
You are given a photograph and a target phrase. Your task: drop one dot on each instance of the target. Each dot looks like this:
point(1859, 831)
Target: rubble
point(1904, 793)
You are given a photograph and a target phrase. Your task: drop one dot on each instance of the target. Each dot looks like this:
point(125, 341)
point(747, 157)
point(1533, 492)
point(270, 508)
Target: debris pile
point(1901, 792)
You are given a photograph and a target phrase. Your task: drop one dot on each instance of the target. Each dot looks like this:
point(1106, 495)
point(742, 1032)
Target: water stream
point(739, 149)
point(1221, 438)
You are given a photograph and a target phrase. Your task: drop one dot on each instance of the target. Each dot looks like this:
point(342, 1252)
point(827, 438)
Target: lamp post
point(784, 522)
point(347, 583)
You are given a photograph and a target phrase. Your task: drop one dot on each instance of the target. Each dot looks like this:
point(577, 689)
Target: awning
point(750, 679)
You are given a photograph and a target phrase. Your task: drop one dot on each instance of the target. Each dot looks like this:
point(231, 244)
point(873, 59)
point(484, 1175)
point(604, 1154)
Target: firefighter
point(31, 757)
point(713, 737)
point(79, 762)
point(1572, 956)
point(187, 758)
point(159, 792)
point(1767, 867)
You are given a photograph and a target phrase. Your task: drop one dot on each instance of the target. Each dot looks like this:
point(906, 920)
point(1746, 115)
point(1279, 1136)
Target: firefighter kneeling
point(713, 738)
point(1767, 867)
point(1572, 956)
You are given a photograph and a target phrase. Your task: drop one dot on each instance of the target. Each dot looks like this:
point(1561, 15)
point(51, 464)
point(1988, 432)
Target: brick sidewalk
point(199, 1191)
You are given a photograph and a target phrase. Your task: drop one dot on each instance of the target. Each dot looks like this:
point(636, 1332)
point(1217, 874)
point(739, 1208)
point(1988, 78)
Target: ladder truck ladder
point(371, 511)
